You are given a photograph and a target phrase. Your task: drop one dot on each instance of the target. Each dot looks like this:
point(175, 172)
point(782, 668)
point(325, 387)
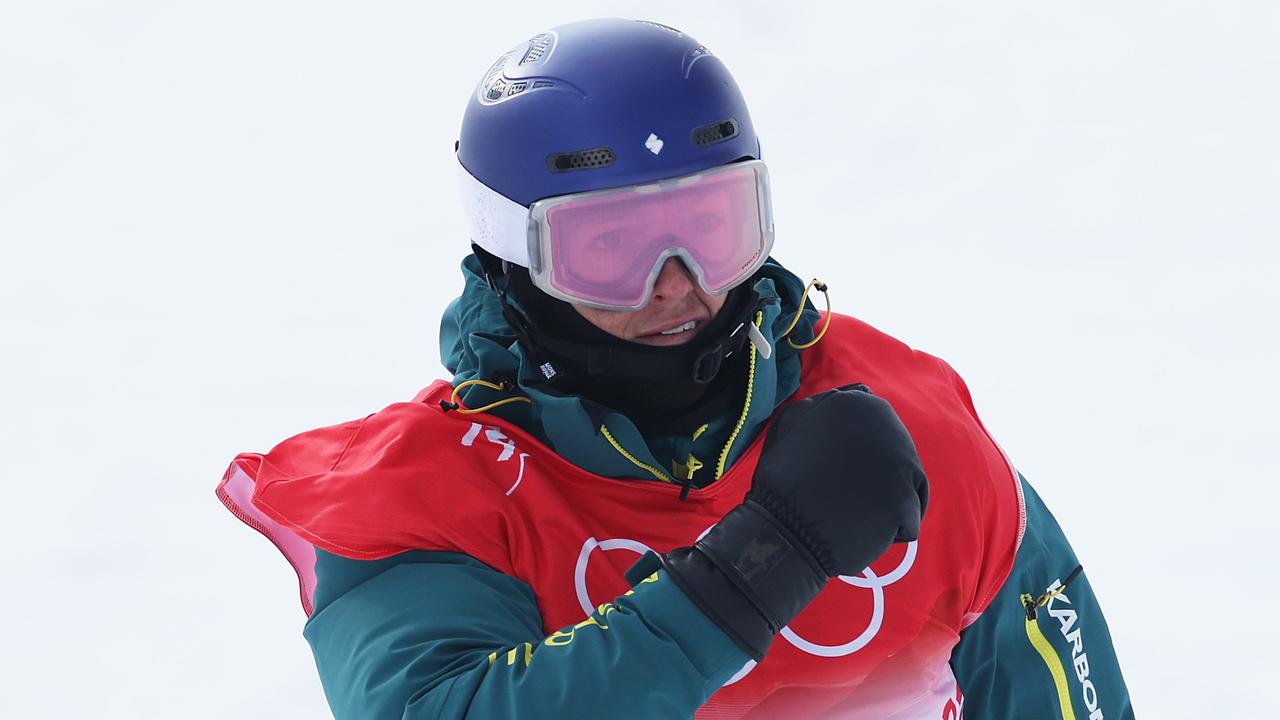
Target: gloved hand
point(838, 481)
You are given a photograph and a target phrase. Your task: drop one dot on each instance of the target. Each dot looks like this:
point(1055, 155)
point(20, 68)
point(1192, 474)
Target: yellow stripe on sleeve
point(1051, 659)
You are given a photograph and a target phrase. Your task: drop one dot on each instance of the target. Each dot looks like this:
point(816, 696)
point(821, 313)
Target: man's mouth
point(680, 328)
point(672, 335)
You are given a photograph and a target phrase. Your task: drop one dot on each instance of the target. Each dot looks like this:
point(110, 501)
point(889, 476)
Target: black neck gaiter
point(675, 405)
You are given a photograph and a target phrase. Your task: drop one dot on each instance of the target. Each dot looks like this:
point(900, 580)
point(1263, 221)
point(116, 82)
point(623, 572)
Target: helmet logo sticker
point(654, 143)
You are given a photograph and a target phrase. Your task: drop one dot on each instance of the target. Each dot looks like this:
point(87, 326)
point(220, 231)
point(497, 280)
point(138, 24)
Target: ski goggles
point(606, 248)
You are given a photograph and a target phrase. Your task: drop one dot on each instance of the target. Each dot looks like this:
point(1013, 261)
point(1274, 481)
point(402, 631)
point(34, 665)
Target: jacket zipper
point(1041, 644)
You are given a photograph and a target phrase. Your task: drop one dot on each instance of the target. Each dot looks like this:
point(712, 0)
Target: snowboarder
point(660, 483)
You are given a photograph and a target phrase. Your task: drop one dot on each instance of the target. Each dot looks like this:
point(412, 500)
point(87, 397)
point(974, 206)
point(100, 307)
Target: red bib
point(874, 645)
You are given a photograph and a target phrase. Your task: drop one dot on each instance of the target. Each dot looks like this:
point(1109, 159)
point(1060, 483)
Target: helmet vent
point(538, 47)
point(580, 160)
point(495, 69)
point(660, 26)
point(715, 132)
point(494, 84)
point(496, 89)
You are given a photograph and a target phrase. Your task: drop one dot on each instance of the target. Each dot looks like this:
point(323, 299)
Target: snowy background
point(223, 223)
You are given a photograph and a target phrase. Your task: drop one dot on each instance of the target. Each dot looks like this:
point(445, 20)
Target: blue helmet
point(589, 106)
point(601, 104)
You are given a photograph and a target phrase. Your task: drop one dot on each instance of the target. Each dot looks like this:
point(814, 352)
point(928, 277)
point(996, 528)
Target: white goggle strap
point(496, 223)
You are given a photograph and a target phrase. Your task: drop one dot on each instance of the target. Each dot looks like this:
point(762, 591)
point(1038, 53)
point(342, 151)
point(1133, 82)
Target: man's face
point(677, 301)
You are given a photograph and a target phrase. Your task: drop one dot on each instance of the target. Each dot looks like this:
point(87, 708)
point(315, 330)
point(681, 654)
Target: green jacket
point(412, 636)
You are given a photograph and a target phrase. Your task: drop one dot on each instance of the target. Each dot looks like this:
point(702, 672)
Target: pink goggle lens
point(605, 248)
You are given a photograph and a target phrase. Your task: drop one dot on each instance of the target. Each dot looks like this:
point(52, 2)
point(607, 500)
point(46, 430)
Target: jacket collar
point(477, 343)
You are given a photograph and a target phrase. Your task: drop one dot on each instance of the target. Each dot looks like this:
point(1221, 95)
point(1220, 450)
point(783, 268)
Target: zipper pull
point(1031, 603)
point(758, 339)
point(685, 472)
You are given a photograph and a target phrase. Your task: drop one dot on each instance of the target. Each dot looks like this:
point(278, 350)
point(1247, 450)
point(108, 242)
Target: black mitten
point(838, 481)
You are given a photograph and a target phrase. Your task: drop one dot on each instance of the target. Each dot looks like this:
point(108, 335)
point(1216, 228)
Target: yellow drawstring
point(454, 404)
point(1044, 599)
point(822, 288)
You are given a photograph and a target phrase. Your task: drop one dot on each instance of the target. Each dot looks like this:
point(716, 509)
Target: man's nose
point(674, 282)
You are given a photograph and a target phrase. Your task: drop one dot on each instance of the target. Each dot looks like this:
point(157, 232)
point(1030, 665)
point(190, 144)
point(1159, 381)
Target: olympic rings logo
point(868, 579)
point(876, 584)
